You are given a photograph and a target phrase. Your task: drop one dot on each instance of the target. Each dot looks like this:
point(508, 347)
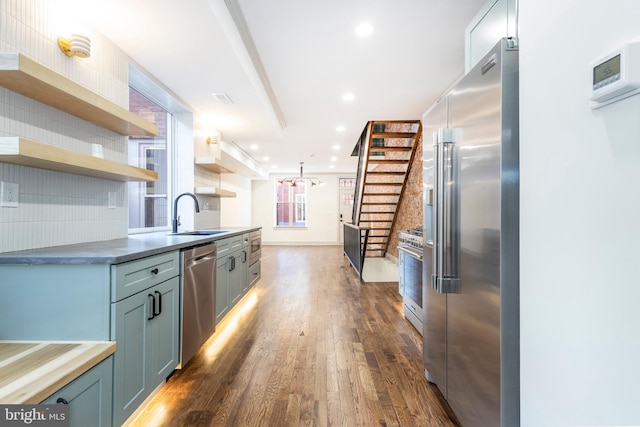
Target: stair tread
point(389, 161)
point(391, 135)
point(385, 173)
point(383, 183)
point(384, 149)
point(380, 203)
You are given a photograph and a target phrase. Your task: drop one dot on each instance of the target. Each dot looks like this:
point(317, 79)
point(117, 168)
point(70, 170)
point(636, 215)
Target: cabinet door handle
point(231, 263)
point(159, 303)
point(153, 307)
point(244, 256)
point(155, 271)
point(62, 400)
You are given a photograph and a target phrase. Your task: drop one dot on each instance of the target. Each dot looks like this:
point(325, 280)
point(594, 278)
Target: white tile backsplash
point(57, 208)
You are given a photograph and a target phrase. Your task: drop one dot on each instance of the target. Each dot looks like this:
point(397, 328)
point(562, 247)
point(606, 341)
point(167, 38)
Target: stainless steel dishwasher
point(198, 315)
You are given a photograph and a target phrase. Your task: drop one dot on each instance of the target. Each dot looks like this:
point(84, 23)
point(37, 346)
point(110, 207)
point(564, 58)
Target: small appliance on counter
point(410, 243)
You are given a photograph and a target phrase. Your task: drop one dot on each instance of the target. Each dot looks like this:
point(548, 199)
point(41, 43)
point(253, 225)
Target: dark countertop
point(116, 251)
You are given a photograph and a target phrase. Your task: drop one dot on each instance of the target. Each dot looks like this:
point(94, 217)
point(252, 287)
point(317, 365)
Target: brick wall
point(410, 210)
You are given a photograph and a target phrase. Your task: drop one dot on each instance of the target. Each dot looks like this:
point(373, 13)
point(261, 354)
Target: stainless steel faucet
point(175, 222)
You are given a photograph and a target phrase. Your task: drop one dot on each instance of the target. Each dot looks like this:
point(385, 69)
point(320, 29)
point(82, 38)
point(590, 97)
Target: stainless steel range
point(410, 244)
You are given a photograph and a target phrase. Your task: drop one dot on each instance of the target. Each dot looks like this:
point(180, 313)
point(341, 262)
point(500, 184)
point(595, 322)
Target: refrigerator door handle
point(437, 214)
point(446, 172)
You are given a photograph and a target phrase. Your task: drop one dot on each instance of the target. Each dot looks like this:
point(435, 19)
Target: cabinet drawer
point(129, 278)
point(254, 273)
point(228, 245)
point(246, 240)
point(88, 396)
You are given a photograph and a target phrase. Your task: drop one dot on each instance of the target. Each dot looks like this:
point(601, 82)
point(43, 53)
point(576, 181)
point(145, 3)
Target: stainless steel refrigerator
point(470, 274)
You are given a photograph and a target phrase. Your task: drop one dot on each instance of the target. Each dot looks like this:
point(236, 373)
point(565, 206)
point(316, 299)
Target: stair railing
point(355, 246)
point(363, 157)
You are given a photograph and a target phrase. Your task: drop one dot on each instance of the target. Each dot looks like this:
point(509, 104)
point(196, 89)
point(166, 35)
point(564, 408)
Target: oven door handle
point(410, 252)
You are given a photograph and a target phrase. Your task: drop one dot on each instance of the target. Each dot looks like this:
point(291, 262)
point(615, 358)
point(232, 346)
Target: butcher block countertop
point(32, 371)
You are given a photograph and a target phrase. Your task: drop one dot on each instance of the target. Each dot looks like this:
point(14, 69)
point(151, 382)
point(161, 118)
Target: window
point(347, 182)
point(149, 205)
point(291, 205)
point(347, 198)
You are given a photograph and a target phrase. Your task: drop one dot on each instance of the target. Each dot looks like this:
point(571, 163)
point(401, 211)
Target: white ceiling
point(309, 54)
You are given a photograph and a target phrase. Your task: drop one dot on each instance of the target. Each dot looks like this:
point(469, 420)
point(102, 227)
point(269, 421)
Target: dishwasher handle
point(199, 254)
point(203, 258)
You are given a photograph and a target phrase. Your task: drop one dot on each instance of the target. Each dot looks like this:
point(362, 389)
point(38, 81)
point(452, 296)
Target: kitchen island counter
point(116, 251)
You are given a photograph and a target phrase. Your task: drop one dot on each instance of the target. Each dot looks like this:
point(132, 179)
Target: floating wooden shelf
point(214, 192)
point(213, 164)
point(29, 78)
point(20, 151)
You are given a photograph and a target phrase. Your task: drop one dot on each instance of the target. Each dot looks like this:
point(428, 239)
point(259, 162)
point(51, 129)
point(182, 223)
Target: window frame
point(169, 148)
point(293, 207)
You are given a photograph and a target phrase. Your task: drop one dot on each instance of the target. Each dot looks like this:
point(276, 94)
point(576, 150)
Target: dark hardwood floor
point(309, 345)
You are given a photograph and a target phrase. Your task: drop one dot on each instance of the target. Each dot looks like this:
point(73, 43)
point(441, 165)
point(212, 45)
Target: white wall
point(580, 227)
point(236, 211)
point(322, 213)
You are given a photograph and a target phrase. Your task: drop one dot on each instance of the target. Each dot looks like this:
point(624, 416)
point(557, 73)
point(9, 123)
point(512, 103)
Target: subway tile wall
point(209, 216)
point(57, 208)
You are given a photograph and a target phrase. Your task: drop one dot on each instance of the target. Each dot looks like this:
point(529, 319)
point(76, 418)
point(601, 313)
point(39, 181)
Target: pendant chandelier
point(295, 180)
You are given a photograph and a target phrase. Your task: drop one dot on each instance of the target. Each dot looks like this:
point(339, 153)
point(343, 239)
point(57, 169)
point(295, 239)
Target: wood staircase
point(386, 150)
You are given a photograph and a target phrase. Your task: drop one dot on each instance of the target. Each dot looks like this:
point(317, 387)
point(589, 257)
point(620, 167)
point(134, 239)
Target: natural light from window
point(149, 201)
point(291, 204)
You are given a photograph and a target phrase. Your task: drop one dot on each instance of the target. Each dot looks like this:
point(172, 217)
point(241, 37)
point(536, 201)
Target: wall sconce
point(76, 45)
point(213, 135)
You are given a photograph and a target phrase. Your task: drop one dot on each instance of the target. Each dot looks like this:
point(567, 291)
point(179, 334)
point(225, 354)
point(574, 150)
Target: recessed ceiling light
point(336, 147)
point(341, 128)
point(265, 159)
point(348, 97)
point(273, 166)
point(365, 29)
point(334, 158)
point(254, 146)
point(331, 166)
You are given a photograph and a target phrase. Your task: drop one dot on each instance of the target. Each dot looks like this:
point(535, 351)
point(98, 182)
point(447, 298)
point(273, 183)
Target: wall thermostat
point(616, 76)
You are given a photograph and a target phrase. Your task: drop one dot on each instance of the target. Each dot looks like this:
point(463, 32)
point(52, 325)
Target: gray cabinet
point(236, 285)
point(254, 274)
point(246, 248)
point(224, 247)
point(229, 283)
point(54, 302)
point(83, 302)
point(165, 340)
point(102, 302)
point(145, 327)
point(222, 288)
point(88, 396)
point(231, 273)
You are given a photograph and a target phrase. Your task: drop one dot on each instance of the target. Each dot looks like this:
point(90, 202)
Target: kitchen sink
point(198, 233)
